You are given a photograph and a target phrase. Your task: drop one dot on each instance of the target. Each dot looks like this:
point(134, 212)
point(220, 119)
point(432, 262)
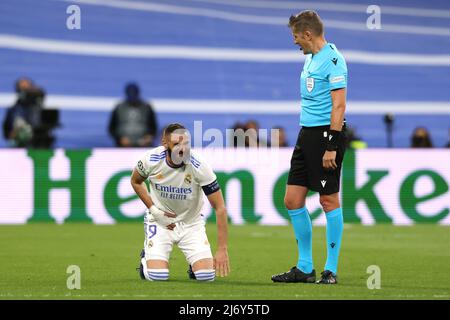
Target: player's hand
point(171, 226)
point(222, 263)
point(170, 215)
point(329, 160)
point(166, 219)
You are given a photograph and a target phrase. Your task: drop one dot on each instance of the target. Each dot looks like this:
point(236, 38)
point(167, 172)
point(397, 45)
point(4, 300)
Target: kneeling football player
point(178, 177)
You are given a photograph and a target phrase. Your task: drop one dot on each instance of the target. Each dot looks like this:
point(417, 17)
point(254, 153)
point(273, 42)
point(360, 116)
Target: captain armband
point(211, 188)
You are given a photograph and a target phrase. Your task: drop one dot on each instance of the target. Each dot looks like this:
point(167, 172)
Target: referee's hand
point(329, 160)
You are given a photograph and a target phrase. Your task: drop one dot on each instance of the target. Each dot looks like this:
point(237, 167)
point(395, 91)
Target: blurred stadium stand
point(225, 61)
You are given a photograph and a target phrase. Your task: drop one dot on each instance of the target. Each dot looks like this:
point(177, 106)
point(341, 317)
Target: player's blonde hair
point(307, 20)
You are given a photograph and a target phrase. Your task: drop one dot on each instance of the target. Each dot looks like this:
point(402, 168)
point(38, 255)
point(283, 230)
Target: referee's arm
point(338, 98)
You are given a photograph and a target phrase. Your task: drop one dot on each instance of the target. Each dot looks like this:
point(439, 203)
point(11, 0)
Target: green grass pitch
point(34, 258)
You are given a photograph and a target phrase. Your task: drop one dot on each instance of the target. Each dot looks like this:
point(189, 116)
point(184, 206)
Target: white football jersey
point(177, 190)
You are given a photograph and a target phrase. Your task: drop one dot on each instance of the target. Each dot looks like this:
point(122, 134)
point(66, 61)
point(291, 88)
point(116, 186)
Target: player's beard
point(177, 159)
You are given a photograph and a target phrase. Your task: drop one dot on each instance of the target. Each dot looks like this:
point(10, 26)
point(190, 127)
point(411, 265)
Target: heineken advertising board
point(378, 186)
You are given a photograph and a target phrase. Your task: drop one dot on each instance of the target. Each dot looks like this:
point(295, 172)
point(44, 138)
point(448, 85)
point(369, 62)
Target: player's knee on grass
point(157, 274)
point(205, 274)
point(203, 267)
point(156, 270)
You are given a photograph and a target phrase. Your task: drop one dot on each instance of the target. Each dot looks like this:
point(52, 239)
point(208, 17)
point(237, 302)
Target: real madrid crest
point(309, 84)
point(188, 178)
point(159, 176)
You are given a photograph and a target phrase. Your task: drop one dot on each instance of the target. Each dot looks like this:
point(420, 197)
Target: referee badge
point(309, 84)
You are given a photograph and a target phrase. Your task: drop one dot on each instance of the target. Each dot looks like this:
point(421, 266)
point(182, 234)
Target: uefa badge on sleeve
point(309, 84)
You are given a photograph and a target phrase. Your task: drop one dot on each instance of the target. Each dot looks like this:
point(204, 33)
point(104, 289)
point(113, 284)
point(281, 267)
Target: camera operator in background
point(133, 121)
point(23, 125)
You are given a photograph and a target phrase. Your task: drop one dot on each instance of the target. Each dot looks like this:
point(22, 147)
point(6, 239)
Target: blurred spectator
point(238, 128)
point(252, 137)
point(25, 124)
point(251, 134)
point(133, 121)
point(247, 135)
point(421, 138)
point(353, 140)
point(282, 140)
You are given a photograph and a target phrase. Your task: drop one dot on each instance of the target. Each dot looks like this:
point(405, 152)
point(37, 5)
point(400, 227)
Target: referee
point(319, 150)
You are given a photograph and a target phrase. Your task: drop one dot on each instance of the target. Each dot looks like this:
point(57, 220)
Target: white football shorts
point(190, 238)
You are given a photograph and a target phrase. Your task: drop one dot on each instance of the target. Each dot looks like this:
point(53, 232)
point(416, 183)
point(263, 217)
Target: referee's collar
point(327, 46)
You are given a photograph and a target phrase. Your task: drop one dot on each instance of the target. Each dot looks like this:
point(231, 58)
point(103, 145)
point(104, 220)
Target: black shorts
point(306, 162)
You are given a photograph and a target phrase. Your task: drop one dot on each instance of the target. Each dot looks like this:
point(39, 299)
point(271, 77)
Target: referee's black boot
point(327, 277)
point(295, 275)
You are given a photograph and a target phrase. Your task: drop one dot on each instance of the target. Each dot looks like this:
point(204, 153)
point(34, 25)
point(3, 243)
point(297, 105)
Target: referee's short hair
point(306, 20)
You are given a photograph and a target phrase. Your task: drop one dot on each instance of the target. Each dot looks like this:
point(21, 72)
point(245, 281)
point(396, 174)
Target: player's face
point(303, 40)
point(179, 146)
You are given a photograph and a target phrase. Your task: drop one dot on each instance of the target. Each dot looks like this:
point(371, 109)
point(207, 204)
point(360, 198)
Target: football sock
point(335, 226)
point(205, 274)
point(157, 274)
point(144, 267)
point(303, 233)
